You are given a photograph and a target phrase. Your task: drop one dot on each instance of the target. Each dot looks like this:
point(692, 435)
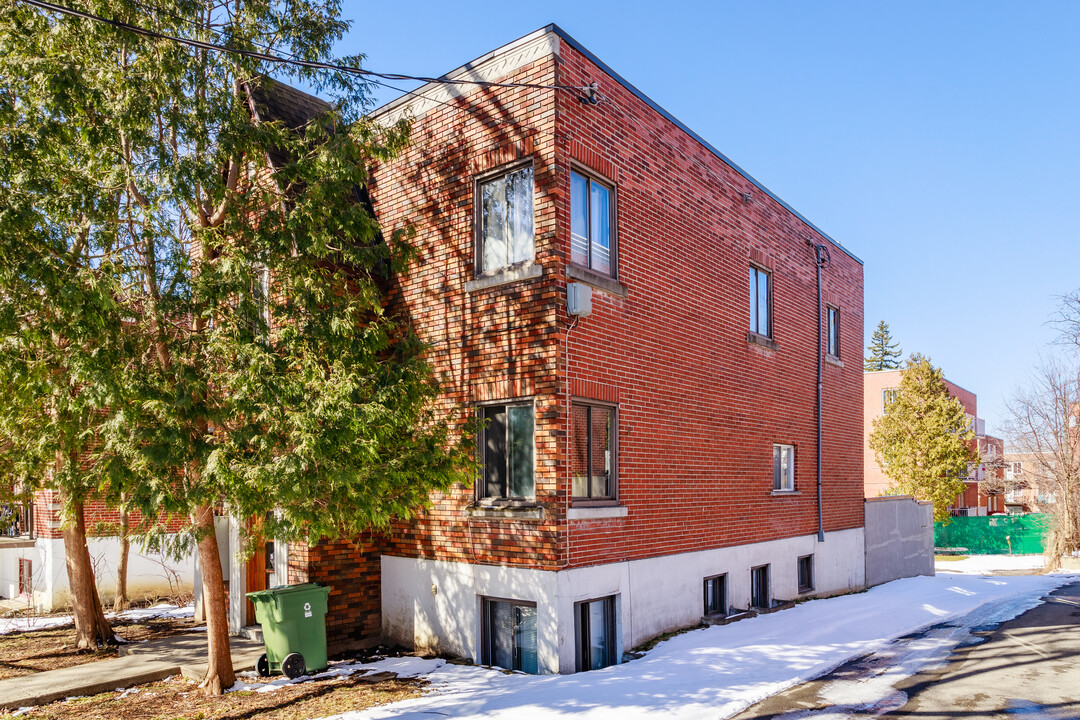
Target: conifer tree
point(923, 440)
point(192, 305)
point(884, 353)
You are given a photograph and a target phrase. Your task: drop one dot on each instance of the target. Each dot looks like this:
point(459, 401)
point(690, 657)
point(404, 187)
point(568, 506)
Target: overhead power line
point(270, 57)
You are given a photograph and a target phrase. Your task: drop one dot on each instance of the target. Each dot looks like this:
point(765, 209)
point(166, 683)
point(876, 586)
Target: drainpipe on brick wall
point(821, 260)
point(569, 427)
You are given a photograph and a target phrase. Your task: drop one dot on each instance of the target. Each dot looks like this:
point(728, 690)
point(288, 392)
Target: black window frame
point(482, 451)
point(832, 331)
point(722, 596)
point(590, 178)
point(613, 484)
point(487, 632)
point(582, 631)
point(479, 181)
point(754, 596)
point(754, 277)
point(804, 567)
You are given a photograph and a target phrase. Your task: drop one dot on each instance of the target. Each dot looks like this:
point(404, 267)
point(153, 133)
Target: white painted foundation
point(435, 606)
point(147, 575)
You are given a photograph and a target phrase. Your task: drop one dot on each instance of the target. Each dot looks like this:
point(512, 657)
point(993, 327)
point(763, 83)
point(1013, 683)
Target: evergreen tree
point(192, 304)
point(923, 440)
point(884, 353)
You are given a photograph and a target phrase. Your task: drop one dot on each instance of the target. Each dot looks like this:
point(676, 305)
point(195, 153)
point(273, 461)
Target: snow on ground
point(27, 623)
point(986, 564)
point(715, 672)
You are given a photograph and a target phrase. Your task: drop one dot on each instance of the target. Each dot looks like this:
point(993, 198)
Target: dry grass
point(48, 649)
point(179, 699)
point(950, 558)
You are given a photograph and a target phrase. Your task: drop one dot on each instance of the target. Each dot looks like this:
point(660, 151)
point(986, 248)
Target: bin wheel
point(293, 666)
point(263, 666)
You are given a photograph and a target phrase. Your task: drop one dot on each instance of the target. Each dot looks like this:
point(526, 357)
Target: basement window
point(509, 635)
point(594, 622)
point(806, 573)
point(759, 587)
point(715, 592)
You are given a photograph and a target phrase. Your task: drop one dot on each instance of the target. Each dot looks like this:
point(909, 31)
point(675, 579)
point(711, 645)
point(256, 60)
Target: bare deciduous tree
point(1044, 427)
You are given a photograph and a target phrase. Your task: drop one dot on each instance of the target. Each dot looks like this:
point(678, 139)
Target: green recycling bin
point(293, 619)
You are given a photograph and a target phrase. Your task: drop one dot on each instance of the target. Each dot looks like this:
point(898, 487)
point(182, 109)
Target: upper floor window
point(832, 331)
point(505, 219)
point(783, 467)
point(591, 213)
point(506, 444)
point(593, 452)
point(888, 397)
point(760, 301)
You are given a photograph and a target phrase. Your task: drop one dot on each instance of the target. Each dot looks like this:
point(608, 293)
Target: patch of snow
point(718, 671)
point(47, 622)
point(986, 564)
point(22, 711)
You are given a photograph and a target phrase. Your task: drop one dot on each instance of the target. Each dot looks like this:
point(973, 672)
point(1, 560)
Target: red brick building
point(638, 321)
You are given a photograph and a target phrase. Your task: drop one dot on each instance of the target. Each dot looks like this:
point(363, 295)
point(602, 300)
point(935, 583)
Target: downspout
point(821, 260)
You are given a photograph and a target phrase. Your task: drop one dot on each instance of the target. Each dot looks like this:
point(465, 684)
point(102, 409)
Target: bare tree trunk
point(219, 668)
point(91, 628)
point(122, 602)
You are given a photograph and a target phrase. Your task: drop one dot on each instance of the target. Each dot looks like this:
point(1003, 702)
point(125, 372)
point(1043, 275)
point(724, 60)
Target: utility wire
point(268, 57)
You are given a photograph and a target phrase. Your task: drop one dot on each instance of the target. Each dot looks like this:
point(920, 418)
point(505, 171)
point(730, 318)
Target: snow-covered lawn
point(715, 672)
point(43, 622)
point(986, 564)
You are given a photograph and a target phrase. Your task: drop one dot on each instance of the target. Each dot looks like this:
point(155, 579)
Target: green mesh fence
point(993, 535)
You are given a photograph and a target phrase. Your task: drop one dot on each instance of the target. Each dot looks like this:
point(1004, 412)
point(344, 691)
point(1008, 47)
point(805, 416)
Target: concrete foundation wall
point(148, 575)
point(899, 539)
point(435, 606)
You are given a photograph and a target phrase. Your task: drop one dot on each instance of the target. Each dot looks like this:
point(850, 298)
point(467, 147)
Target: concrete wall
point(899, 539)
point(148, 574)
point(435, 606)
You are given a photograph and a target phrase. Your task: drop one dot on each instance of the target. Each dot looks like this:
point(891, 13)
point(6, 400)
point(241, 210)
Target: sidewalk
point(138, 663)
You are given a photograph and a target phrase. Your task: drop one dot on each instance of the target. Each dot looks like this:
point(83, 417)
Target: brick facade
point(699, 405)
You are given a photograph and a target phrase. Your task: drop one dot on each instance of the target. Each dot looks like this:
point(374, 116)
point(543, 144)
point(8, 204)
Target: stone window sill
point(763, 341)
point(504, 277)
point(597, 280)
point(833, 360)
point(780, 493)
point(506, 511)
point(597, 512)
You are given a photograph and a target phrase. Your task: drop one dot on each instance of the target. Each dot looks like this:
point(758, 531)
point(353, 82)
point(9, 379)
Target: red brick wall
point(699, 406)
point(100, 519)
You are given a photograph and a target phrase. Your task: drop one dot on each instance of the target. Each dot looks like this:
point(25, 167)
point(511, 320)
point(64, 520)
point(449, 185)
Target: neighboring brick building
point(33, 566)
point(644, 463)
point(984, 491)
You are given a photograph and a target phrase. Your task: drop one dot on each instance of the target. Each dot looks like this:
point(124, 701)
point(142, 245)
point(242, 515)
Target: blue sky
point(938, 141)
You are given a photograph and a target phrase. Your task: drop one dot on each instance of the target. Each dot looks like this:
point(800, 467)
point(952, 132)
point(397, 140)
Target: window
point(591, 214)
point(888, 397)
point(783, 474)
point(806, 573)
point(509, 635)
point(716, 595)
point(832, 331)
point(595, 627)
point(593, 448)
point(505, 219)
point(507, 448)
point(759, 587)
point(760, 301)
point(26, 576)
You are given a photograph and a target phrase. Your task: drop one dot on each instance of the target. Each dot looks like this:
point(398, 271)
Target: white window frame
point(479, 221)
point(783, 479)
